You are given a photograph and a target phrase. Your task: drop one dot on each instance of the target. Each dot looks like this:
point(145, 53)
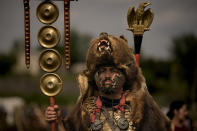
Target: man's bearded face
point(109, 79)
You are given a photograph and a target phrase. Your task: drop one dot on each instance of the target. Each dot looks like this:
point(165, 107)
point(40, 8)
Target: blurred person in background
point(178, 113)
point(3, 123)
point(30, 118)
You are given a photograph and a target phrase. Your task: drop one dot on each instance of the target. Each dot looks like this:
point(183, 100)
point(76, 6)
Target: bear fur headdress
point(109, 50)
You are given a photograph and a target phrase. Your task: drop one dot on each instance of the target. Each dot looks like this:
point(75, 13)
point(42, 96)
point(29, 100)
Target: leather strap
point(67, 32)
point(110, 120)
point(97, 110)
point(121, 106)
point(27, 32)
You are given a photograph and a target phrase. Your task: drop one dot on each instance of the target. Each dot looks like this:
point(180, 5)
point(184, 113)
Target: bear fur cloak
point(145, 113)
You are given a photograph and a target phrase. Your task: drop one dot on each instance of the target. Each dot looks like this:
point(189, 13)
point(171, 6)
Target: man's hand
point(53, 113)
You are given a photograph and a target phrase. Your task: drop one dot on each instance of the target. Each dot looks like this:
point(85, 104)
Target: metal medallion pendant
point(123, 124)
point(97, 125)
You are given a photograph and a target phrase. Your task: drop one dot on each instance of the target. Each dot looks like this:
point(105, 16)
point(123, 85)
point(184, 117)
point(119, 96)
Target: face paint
point(109, 79)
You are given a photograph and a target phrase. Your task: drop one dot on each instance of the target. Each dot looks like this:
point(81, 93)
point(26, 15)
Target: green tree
point(8, 60)
point(156, 73)
point(6, 63)
point(177, 74)
point(184, 52)
point(79, 46)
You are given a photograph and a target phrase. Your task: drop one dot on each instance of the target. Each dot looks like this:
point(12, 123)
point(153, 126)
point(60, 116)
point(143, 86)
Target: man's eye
point(101, 70)
point(114, 70)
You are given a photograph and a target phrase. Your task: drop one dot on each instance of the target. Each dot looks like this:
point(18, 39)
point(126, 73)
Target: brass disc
point(50, 60)
point(48, 36)
point(47, 12)
point(50, 84)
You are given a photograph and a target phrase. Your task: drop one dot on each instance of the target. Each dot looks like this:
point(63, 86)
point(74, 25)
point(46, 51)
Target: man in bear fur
point(121, 102)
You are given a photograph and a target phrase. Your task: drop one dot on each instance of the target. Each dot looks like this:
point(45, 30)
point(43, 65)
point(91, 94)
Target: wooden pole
point(137, 44)
point(52, 103)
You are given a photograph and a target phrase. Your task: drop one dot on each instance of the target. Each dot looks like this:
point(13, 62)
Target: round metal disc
point(123, 124)
point(48, 36)
point(47, 12)
point(97, 125)
point(50, 84)
point(50, 60)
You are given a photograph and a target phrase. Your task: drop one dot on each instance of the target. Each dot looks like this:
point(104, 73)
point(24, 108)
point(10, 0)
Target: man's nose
point(108, 73)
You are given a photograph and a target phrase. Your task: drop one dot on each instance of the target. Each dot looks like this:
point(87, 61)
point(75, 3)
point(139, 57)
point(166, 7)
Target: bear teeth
point(99, 49)
point(99, 43)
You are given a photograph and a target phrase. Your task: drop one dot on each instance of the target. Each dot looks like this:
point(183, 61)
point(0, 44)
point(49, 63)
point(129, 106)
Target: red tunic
point(183, 128)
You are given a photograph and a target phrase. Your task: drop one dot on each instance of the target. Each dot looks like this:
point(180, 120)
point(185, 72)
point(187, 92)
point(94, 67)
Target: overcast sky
point(172, 18)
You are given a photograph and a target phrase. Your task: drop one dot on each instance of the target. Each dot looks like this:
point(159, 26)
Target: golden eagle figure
point(140, 20)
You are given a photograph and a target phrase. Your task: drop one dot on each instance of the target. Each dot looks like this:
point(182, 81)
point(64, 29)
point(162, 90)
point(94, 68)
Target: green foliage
point(41, 99)
point(156, 73)
point(184, 51)
point(6, 63)
point(175, 78)
point(79, 46)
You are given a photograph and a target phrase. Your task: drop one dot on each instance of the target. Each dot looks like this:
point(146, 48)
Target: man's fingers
point(51, 119)
point(51, 116)
point(53, 108)
point(50, 108)
point(51, 113)
point(56, 107)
